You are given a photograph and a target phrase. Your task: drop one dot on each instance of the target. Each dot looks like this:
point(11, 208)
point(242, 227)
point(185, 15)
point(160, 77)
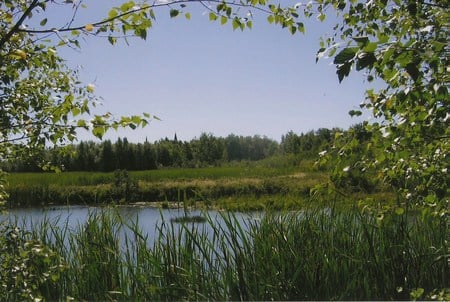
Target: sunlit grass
point(95, 178)
point(247, 179)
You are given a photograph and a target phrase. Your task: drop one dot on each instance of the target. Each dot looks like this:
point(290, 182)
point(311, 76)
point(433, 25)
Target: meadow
point(247, 185)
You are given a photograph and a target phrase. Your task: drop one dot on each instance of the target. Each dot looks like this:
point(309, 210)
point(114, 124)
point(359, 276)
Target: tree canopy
point(403, 44)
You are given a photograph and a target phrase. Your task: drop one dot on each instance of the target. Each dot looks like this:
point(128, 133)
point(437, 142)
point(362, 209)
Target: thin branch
point(16, 26)
point(77, 6)
point(99, 23)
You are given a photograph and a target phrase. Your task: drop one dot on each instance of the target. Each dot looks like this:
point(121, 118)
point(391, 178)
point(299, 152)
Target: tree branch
point(98, 23)
point(16, 26)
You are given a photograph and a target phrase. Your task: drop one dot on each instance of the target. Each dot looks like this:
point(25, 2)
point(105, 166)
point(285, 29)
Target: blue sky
point(198, 76)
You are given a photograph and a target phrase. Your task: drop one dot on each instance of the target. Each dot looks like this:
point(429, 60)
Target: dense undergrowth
point(308, 255)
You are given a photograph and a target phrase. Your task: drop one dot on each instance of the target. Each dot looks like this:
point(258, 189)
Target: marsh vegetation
point(314, 254)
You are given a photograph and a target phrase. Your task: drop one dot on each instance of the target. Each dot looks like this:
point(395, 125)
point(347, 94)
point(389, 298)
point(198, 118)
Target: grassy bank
point(212, 186)
point(309, 255)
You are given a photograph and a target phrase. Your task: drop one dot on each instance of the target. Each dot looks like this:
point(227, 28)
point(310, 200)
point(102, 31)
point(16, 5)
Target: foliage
point(42, 99)
point(125, 188)
point(207, 150)
point(403, 44)
point(29, 268)
point(3, 193)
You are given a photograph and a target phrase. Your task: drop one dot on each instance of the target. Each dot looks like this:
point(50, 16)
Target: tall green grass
point(96, 178)
point(35, 189)
point(309, 255)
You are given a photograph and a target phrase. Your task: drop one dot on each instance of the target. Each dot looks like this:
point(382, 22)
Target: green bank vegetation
point(202, 186)
point(283, 182)
point(308, 255)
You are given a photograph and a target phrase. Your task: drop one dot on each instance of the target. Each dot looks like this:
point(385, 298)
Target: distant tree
point(290, 143)
point(107, 157)
point(207, 149)
point(187, 156)
point(163, 157)
point(149, 157)
point(233, 147)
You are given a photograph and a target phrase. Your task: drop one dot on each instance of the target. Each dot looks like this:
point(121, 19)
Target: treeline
point(207, 150)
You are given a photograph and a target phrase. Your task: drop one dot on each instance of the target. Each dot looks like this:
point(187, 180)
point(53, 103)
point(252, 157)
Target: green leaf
point(99, 131)
point(112, 14)
point(301, 27)
point(212, 16)
point(413, 71)
point(293, 30)
point(365, 60)
point(43, 22)
point(76, 111)
point(345, 55)
point(220, 7)
point(343, 71)
point(223, 20)
point(81, 123)
point(361, 40)
point(321, 17)
point(174, 12)
point(136, 119)
point(382, 38)
point(370, 47)
point(152, 14)
point(141, 33)
point(236, 23)
point(355, 113)
point(112, 40)
point(187, 16)
point(125, 7)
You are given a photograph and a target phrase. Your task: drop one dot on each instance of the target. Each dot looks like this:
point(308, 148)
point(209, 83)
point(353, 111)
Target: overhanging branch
point(154, 5)
point(16, 26)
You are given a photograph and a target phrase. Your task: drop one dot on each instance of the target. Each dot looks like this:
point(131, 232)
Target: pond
point(147, 218)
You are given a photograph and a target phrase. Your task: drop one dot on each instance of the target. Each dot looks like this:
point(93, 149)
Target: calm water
point(147, 218)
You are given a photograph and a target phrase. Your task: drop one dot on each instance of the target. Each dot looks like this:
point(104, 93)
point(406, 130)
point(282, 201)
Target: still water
point(148, 219)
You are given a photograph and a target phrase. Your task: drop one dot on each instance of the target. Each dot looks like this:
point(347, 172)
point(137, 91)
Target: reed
point(316, 254)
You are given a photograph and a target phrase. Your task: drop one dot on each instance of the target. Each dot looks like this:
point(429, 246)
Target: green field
point(277, 183)
point(215, 185)
point(98, 178)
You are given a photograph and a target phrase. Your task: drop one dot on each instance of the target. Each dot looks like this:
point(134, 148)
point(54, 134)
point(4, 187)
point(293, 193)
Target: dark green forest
point(206, 150)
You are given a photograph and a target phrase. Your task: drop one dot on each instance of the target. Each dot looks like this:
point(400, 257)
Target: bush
point(29, 270)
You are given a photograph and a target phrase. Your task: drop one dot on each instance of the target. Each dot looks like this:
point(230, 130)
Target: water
point(148, 219)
